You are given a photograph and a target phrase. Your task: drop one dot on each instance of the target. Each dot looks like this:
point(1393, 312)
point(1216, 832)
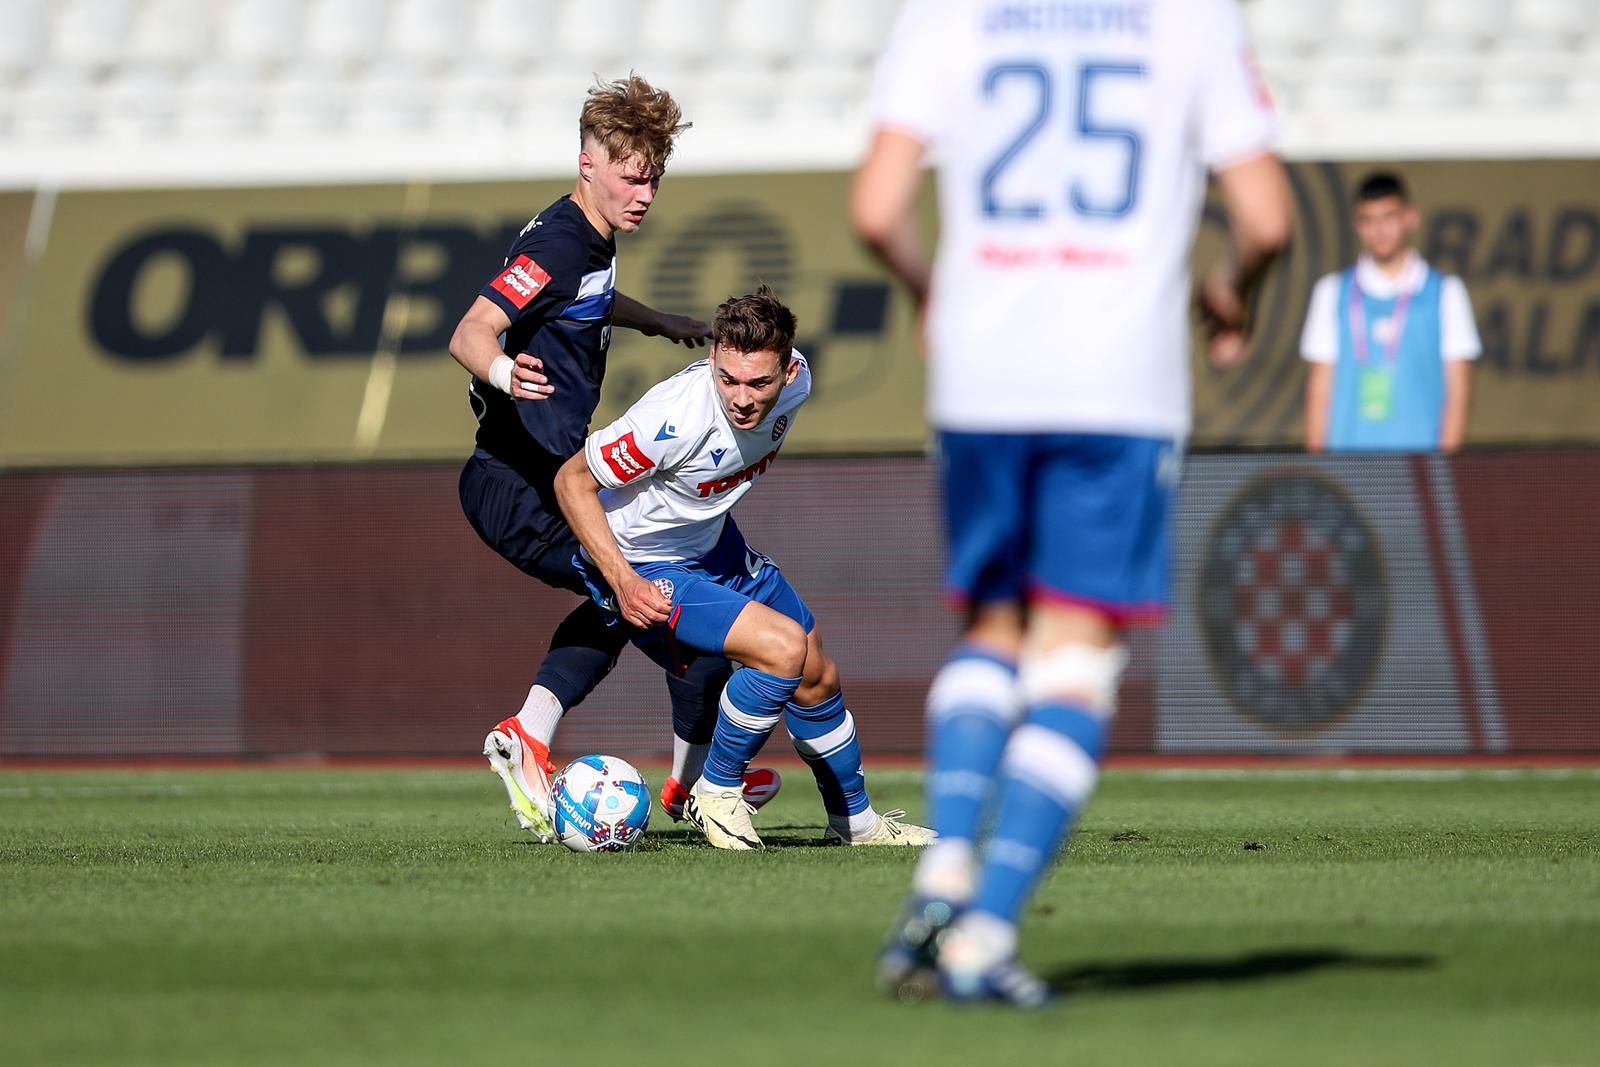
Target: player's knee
point(1074, 673)
point(786, 649)
point(819, 680)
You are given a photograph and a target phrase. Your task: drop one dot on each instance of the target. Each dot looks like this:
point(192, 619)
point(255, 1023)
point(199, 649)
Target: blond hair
point(630, 118)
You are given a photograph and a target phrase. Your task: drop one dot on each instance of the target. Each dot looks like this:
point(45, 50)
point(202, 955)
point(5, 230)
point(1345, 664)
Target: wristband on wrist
point(500, 373)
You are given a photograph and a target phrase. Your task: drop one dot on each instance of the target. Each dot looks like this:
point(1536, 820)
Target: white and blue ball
point(602, 804)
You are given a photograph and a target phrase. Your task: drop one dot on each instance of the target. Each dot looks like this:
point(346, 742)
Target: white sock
point(540, 714)
point(855, 825)
point(945, 871)
point(978, 942)
point(688, 761)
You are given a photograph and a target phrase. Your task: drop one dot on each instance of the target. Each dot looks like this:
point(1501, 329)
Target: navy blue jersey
point(557, 287)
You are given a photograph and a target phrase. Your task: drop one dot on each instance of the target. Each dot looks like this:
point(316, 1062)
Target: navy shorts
point(521, 520)
point(1073, 518)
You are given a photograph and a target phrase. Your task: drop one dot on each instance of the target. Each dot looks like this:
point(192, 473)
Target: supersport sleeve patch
point(520, 281)
point(624, 458)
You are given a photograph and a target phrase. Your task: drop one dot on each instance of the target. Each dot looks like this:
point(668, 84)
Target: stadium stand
point(296, 90)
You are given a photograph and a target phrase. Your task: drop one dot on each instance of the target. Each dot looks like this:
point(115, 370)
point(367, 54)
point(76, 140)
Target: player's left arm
point(679, 329)
point(1460, 346)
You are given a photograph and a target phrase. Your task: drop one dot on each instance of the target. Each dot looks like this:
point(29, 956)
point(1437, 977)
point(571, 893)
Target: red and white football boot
point(761, 784)
point(524, 765)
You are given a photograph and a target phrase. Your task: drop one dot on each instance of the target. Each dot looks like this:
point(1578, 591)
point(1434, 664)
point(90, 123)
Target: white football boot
point(723, 815)
point(888, 830)
point(524, 765)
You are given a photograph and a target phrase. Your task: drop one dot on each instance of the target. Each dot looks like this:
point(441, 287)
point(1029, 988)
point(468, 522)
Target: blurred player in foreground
point(650, 497)
point(1073, 143)
point(535, 341)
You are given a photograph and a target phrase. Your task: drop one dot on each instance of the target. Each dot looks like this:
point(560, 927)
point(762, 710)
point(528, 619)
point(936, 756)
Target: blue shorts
point(707, 595)
point(1073, 518)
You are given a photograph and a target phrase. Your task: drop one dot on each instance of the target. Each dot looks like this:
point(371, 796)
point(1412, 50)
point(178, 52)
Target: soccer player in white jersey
point(649, 499)
point(1072, 140)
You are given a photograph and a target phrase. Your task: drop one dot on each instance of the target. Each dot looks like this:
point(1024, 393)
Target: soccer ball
point(601, 804)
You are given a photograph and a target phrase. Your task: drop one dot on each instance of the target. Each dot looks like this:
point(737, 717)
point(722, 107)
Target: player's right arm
point(1256, 194)
point(540, 276)
point(640, 603)
point(476, 346)
point(908, 101)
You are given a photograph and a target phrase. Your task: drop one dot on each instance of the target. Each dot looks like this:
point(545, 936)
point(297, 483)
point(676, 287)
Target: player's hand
point(528, 381)
point(1225, 317)
point(642, 603)
point(682, 330)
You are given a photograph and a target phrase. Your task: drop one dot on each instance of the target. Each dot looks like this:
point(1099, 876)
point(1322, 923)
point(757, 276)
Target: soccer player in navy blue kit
point(535, 341)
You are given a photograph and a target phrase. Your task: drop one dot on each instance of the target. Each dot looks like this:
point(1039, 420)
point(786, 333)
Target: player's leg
point(709, 617)
point(510, 516)
point(1100, 524)
point(695, 694)
point(824, 734)
point(772, 648)
point(973, 702)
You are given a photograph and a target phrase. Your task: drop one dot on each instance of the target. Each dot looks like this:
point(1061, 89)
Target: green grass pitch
point(398, 917)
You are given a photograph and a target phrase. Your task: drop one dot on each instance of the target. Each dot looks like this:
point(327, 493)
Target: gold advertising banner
point(15, 210)
point(292, 324)
point(312, 324)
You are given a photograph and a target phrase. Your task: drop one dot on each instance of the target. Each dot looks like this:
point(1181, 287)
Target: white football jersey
point(673, 465)
point(1072, 141)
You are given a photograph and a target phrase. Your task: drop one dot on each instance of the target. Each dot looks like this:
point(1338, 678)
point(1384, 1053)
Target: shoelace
point(891, 820)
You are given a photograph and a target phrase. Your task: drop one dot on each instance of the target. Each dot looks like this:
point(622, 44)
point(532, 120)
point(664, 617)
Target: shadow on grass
point(1135, 975)
point(782, 836)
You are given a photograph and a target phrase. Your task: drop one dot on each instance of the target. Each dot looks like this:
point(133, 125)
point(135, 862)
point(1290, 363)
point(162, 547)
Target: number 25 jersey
point(1072, 140)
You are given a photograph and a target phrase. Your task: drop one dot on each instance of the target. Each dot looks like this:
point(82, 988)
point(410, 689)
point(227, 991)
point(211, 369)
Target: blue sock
point(1049, 770)
point(825, 737)
point(752, 703)
point(971, 708)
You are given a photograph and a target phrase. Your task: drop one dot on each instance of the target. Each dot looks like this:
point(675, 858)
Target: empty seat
point(766, 31)
point(825, 90)
point(1470, 23)
point(220, 98)
point(1378, 23)
point(262, 30)
point(731, 91)
point(24, 35)
point(1278, 26)
point(1440, 84)
point(687, 31)
point(174, 32)
point(392, 96)
point(512, 31)
point(1348, 83)
point(57, 102)
point(602, 33)
point(92, 31)
point(308, 97)
point(343, 30)
point(851, 31)
point(140, 101)
point(426, 30)
point(1527, 79)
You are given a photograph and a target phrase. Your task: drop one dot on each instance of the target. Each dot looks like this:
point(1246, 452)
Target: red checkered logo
point(521, 281)
point(1293, 601)
point(626, 460)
